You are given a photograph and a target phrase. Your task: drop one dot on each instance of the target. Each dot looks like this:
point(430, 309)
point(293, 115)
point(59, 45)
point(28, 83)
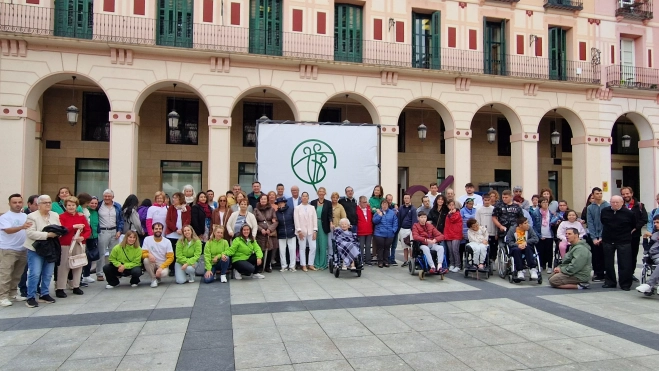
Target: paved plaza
point(385, 320)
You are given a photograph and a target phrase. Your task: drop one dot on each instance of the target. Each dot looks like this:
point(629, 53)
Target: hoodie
point(577, 261)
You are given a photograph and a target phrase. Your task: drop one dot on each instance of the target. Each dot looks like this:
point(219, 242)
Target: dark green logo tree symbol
point(309, 159)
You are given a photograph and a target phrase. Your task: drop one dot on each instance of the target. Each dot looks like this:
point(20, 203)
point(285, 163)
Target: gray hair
point(108, 192)
point(344, 220)
point(362, 198)
point(43, 198)
point(188, 187)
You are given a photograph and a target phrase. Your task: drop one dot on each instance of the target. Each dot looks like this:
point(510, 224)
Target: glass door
point(557, 54)
point(426, 40)
point(494, 47)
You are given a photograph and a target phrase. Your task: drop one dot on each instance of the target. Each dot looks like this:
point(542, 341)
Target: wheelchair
point(558, 260)
point(335, 262)
point(506, 264)
point(471, 267)
point(419, 264)
point(648, 267)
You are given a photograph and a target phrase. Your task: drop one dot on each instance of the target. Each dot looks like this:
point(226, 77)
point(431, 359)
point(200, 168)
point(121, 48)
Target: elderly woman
point(157, 212)
point(188, 192)
point(40, 271)
point(306, 228)
point(346, 243)
point(74, 221)
point(266, 236)
point(239, 197)
point(386, 225)
point(324, 215)
point(241, 217)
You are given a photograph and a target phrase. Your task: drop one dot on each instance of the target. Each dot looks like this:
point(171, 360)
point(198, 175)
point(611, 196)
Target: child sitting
point(478, 241)
point(653, 254)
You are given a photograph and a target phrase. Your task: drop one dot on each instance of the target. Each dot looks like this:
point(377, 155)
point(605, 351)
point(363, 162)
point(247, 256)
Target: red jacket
point(453, 227)
point(172, 216)
point(67, 220)
point(364, 225)
point(421, 233)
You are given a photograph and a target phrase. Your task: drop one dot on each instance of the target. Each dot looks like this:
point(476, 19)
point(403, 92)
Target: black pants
point(546, 252)
point(625, 267)
point(516, 254)
point(112, 274)
point(247, 267)
point(598, 257)
point(494, 247)
point(382, 248)
point(636, 242)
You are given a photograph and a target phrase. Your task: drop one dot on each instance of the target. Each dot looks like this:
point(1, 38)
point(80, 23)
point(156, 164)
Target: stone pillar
point(591, 167)
point(20, 142)
point(648, 158)
point(123, 154)
point(458, 157)
point(524, 162)
point(389, 160)
point(219, 154)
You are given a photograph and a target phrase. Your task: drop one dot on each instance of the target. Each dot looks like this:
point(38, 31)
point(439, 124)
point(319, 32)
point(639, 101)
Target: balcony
point(573, 5)
point(504, 1)
point(108, 28)
point(629, 77)
point(635, 9)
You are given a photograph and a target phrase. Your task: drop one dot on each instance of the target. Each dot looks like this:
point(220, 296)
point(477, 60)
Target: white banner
point(312, 156)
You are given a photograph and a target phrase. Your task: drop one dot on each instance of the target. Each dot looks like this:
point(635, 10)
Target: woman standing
point(365, 229)
point(201, 216)
point(272, 200)
point(240, 218)
point(338, 212)
point(453, 236)
point(324, 216)
point(221, 213)
point(73, 221)
point(545, 235)
point(62, 194)
point(376, 198)
point(306, 228)
point(131, 217)
point(188, 251)
point(266, 236)
point(245, 254)
point(386, 225)
point(188, 192)
point(467, 212)
point(239, 197)
point(89, 205)
point(553, 204)
point(178, 215)
point(437, 216)
point(157, 213)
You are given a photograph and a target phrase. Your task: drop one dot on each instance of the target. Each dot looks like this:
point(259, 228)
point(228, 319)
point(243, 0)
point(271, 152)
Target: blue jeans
point(22, 285)
point(222, 266)
point(38, 272)
point(392, 258)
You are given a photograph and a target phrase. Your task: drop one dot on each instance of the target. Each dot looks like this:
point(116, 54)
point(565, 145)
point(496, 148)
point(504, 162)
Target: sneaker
point(6, 303)
point(431, 271)
point(100, 278)
point(597, 279)
point(644, 288)
point(223, 278)
point(133, 285)
point(77, 291)
point(20, 297)
point(451, 268)
point(534, 274)
point(82, 284)
point(190, 278)
point(292, 269)
point(394, 263)
point(258, 275)
point(405, 264)
point(109, 286)
point(520, 275)
point(31, 303)
point(583, 285)
point(237, 275)
point(88, 279)
point(46, 299)
point(549, 270)
point(154, 283)
point(283, 270)
point(60, 293)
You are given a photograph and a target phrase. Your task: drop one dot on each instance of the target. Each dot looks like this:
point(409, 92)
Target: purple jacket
point(141, 211)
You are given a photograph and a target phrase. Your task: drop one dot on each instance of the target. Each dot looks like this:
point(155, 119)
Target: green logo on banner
point(309, 159)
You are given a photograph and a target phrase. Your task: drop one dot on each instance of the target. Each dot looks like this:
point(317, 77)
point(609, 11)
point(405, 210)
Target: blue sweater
point(594, 221)
point(406, 216)
point(385, 225)
point(466, 214)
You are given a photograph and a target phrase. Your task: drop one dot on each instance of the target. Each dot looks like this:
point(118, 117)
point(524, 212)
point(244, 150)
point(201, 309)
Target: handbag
point(200, 266)
point(79, 260)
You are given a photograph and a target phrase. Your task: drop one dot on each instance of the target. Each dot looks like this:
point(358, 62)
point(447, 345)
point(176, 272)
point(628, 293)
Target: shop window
point(176, 174)
point(246, 174)
point(95, 117)
point(92, 176)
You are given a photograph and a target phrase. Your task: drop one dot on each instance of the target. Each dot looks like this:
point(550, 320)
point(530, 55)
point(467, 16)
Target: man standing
point(594, 221)
point(110, 225)
point(280, 191)
point(450, 196)
point(253, 197)
point(517, 193)
point(574, 271)
point(13, 256)
point(484, 219)
point(641, 216)
point(432, 195)
point(231, 195)
point(407, 217)
point(157, 254)
point(618, 224)
point(478, 200)
point(350, 206)
point(32, 205)
point(295, 199)
point(425, 206)
point(505, 214)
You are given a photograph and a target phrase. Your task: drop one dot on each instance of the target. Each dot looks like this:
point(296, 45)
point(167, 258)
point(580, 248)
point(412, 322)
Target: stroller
point(419, 264)
point(471, 267)
point(648, 266)
point(335, 262)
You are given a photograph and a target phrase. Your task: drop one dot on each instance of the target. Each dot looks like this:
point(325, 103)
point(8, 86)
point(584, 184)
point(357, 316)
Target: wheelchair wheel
point(359, 273)
point(502, 263)
point(412, 266)
point(422, 274)
point(331, 266)
point(337, 271)
point(645, 273)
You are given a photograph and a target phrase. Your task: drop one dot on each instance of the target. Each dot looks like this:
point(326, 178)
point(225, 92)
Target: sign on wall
point(313, 156)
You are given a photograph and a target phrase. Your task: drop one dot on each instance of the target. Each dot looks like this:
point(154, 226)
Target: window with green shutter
point(494, 47)
point(557, 54)
point(265, 27)
point(74, 18)
point(175, 23)
point(426, 44)
point(347, 33)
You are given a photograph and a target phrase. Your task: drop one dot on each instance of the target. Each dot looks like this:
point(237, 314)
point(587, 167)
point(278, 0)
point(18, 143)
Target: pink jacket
point(560, 233)
point(305, 219)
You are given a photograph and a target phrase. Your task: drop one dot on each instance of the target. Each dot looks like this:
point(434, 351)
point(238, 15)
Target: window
point(502, 175)
point(503, 137)
point(265, 29)
point(330, 114)
point(175, 23)
point(401, 133)
point(252, 112)
point(553, 183)
point(74, 18)
point(441, 175)
point(246, 174)
point(347, 33)
point(619, 130)
point(188, 123)
point(557, 53)
point(494, 47)
point(442, 141)
point(426, 40)
point(95, 110)
point(92, 176)
point(566, 137)
point(176, 174)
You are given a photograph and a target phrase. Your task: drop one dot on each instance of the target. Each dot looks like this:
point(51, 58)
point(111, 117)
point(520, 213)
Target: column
point(389, 160)
point(648, 158)
point(219, 154)
point(591, 167)
point(123, 154)
point(458, 156)
point(20, 144)
point(524, 162)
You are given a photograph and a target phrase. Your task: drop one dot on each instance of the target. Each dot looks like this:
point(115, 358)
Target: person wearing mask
point(130, 215)
point(306, 228)
point(324, 216)
point(188, 251)
point(349, 204)
point(110, 226)
point(246, 255)
point(365, 229)
point(239, 218)
point(214, 256)
point(221, 213)
point(13, 256)
point(210, 196)
point(239, 197)
point(89, 205)
point(385, 221)
point(125, 260)
point(157, 254)
point(595, 228)
point(295, 198)
point(545, 233)
point(286, 234)
point(484, 219)
point(432, 193)
point(469, 189)
point(641, 215)
point(266, 235)
point(253, 197)
point(200, 216)
point(430, 239)
point(407, 217)
point(188, 193)
point(618, 224)
point(376, 198)
point(157, 213)
point(74, 221)
point(574, 271)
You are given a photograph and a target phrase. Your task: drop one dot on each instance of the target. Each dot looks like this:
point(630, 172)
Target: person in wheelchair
point(478, 242)
point(574, 271)
point(346, 244)
point(430, 239)
point(521, 239)
point(653, 257)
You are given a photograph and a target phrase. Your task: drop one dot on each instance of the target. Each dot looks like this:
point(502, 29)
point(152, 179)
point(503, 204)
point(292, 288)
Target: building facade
point(582, 70)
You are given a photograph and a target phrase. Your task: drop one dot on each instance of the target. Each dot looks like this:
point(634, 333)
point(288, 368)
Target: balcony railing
point(619, 76)
point(31, 20)
point(635, 9)
point(564, 4)
point(506, 1)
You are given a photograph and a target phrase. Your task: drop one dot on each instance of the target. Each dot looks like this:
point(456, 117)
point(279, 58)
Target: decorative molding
point(619, 18)
point(308, 71)
point(592, 140)
point(219, 122)
point(462, 4)
point(122, 117)
point(16, 113)
point(462, 83)
point(389, 78)
point(600, 94)
point(657, 99)
point(594, 21)
point(531, 89)
point(121, 56)
point(650, 143)
point(219, 64)
point(14, 48)
point(458, 134)
point(389, 130)
point(529, 13)
point(645, 22)
point(525, 137)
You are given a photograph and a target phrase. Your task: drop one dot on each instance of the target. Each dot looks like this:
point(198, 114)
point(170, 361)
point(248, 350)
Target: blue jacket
point(385, 225)
point(406, 216)
point(120, 218)
point(594, 221)
point(651, 215)
point(466, 214)
point(286, 226)
point(537, 219)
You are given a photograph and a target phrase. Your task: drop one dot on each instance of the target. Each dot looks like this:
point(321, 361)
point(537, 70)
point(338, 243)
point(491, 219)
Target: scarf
point(159, 205)
point(545, 217)
point(183, 208)
point(206, 208)
point(631, 204)
point(189, 200)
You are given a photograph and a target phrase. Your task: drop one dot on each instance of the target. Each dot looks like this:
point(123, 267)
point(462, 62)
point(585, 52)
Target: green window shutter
point(74, 18)
point(435, 45)
point(502, 50)
point(557, 53)
point(265, 27)
point(175, 23)
point(348, 33)
point(487, 47)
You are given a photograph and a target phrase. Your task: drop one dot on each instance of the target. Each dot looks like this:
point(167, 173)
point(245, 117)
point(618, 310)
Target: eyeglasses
point(223, 200)
point(46, 203)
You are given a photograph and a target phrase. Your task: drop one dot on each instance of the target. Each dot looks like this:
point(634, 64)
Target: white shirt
point(432, 198)
point(478, 200)
point(157, 214)
point(484, 218)
point(13, 241)
point(158, 249)
point(179, 226)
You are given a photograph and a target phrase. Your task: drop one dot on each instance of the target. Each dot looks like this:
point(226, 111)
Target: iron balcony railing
point(506, 1)
point(619, 76)
point(32, 20)
point(634, 9)
point(564, 4)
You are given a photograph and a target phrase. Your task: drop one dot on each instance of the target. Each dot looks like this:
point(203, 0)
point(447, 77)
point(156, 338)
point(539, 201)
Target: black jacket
point(438, 218)
point(50, 249)
point(326, 216)
point(617, 225)
point(641, 217)
point(350, 206)
point(286, 225)
point(406, 216)
point(198, 219)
